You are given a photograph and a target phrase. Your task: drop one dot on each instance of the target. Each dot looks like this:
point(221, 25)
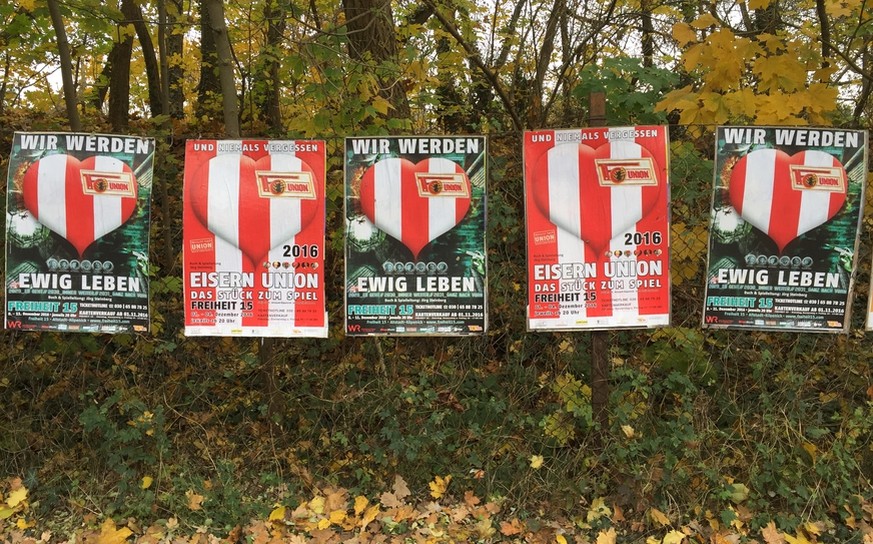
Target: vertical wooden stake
point(599, 339)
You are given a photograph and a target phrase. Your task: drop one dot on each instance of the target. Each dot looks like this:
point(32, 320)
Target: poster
point(253, 244)
point(597, 218)
point(77, 232)
point(786, 209)
point(415, 235)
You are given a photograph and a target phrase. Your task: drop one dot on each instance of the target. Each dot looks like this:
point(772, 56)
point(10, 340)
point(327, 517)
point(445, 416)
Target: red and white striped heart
point(596, 194)
point(80, 200)
point(415, 203)
point(786, 196)
point(255, 205)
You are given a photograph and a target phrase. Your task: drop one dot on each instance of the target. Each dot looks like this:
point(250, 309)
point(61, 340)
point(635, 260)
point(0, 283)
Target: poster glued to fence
point(77, 232)
point(597, 219)
point(415, 236)
point(786, 209)
point(253, 221)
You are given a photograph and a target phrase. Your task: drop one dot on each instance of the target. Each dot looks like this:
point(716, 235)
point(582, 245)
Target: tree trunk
point(208, 88)
point(119, 83)
point(370, 29)
point(175, 41)
point(101, 86)
point(266, 95)
point(229, 105)
point(6, 68)
point(647, 40)
point(66, 58)
point(133, 15)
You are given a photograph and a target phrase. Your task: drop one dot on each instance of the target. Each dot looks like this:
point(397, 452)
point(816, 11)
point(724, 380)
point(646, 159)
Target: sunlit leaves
point(439, 485)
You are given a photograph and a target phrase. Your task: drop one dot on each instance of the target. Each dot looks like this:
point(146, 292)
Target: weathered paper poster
point(254, 238)
point(786, 209)
point(77, 232)
point(415, 235)
point(597, 217)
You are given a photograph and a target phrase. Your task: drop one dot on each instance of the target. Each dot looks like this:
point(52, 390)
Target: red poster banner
point(597, 228)
point(254, 238)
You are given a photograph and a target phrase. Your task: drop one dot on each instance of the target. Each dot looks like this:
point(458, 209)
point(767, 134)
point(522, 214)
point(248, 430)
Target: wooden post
point(599, 339)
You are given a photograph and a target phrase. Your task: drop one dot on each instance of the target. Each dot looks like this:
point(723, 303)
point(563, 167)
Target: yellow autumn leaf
point(438, 486)
point(146, 482)
point(559, 539)
point(369, 516)
point(598, 510)
point(23, 524)
point(27, 5)
point(317, 505)
point(659, 517)
point(536, 461)
point(759, 4)
point(109, 534)
point(799, 539)
point(16, 497)
point(278, 513)
point(6, 513)
point(337, 516)
point(381, 105)
point(607, 536)
point(673, 537)
point(684, 34)
point(743, 102)
point(361, 503)
point(704, 21)
point(813, 528)
point(811, 449)
point(323, 524)
point(628, 431)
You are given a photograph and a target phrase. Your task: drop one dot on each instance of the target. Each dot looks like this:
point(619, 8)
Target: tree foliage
point(713, 436)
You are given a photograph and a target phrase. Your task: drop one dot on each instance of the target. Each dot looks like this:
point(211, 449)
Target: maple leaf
point(16, 497)
point(598, 510)
point(536, 461)
point(109, 534)
point(401, 490)
point(390, 500)
point(799, 539)
point(674, 537)
point(361, 502)
point(684, 34)
point(511, 528)
point(439, 485)
point(336, 517)
point(369, 516)
point(607, 536)
point(335, 499)
point(659, 517)
point(195, 500)
point(470, 499)
point(704, 21)
point(317, 505)
point(485, 529)
point(278, 513)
